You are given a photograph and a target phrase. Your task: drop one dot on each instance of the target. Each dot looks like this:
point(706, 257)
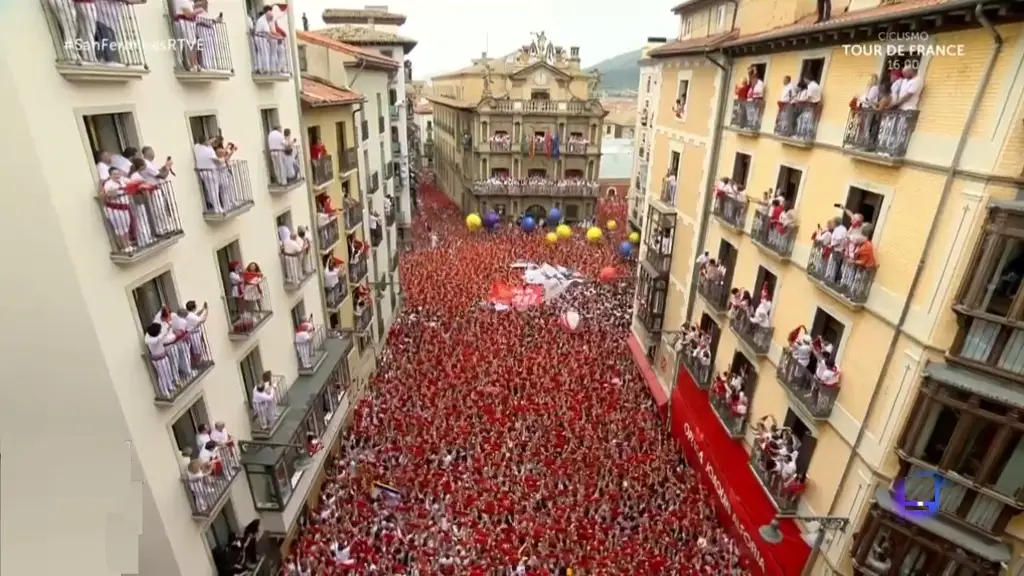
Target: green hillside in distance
point(619, 73)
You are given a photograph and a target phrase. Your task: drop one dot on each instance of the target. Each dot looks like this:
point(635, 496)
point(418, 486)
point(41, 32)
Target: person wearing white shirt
point(184, 460)
point(108, 25)
point(810, 91)
point(123, 161)
point(155, 173)
point(195, 317)
point(208, 452)
point(206, 165)
point(291, 152)
point(810, 98)
point(292, 250)
point(220, 434)
point(756, 88)
point(185, 32)
point(304, 345)
point(103, 165)
point(203, 436)
point(870, 97)
point(206, 36)
point(789, 90)
point(277, 144)
point(332, 282)
point(158, 337)
point(264, 44)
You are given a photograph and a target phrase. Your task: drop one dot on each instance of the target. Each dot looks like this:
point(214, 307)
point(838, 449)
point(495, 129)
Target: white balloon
point(571, 319)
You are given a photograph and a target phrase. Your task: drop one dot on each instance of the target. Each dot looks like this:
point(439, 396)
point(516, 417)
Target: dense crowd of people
point(503, 443)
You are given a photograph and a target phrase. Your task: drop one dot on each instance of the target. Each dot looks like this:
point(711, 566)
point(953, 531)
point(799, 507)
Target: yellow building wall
point(702, 95)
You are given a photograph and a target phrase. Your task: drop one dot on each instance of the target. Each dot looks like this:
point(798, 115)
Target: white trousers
point(87, 14)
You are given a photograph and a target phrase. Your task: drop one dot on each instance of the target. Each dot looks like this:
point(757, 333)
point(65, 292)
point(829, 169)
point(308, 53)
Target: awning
point(657, 391)
point(741, 503)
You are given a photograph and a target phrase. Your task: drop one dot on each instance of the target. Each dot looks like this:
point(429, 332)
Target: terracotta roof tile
point(318, 92)
point(344, 16)
point(692, 45)
point(320, 39)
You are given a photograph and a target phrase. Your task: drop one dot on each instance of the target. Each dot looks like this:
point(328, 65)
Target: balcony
point(753, 335)
point(269, 406)
point(816, 397)
point(746, 116)
point(353, 216)
point(271, 61)
point(373, 182)
point(496, 143)
point(733, 420)
point(100, 53)
point(844, 279)
point(251, 309)
point(361, 319)
point(357, 269)
point(773, 237)
point(659, 242)
point(376, 236)
point(203, 52)
point(467, 142)
point(348, 161)
point(576, 147)
point(285, 172)
point(297, 269)
point(327, 233)
point(549, 189)
point(879, 136)
point(335, 295)
point(140, 220)
point(542, 107)
point(715, 294)
point(322, 170)
point(668, 192)
point(310, 348)
point(207, 484)
point(730, 211)
point(182, 363)
point(393, 110)
point(994, 345)
point(797, 123)
point(227, 191)
point(762, 464)
point(700, 369)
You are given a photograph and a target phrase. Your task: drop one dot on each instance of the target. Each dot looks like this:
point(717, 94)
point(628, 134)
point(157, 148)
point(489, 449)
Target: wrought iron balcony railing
point(284, 169)
point(327, 233)
point(139, 219)
point(715, 293)
point(209, 484)
point(816, 396)
point(362, 318)
point(373, 183)
point(730, 211)
point(668, 191)
point(486, 188)
point(576, 147)
point(376, 236)
point(732, 417)
point(85, 48)
point(349, 160)
point(248, 309)
point(322, 170)
point(309, 348)
point(494, 145)
point(357, 269)
point(227, 190)
point(773, 236)
point(844, 278)
point(757, 337)
point(335, 295)
point(297, 268)
point(883, 133)
point(798, 121)
point(747, 114)
point(270, 57)
point(201, 47)
point(268, 405)
point(784, 495)
point(353, 215)
point(389, 216)
point(700, 371)
point(184, 359)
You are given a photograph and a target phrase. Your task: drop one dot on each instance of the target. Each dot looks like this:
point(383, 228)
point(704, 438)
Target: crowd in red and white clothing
point(513, 445)
point(844, 256)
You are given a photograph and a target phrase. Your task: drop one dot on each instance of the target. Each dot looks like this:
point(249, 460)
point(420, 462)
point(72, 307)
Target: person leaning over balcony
point(195, 317)
point(206, 34)
point(331, 275)
point(264, 43)
point(225, 444)
point(810, 97)
point(202, 435)
point(158, 337)
point(264, 401)
point(292, 250)
point(198, 477)
point(304, 334)
point(185, 33)
point(123, 161)
point(155, 173)
point(291, 152)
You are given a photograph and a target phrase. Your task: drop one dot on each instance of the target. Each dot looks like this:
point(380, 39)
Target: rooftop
point(318, 92)
point(364, 35)
point(360, 54)
point(424, 107)
point(366, 15)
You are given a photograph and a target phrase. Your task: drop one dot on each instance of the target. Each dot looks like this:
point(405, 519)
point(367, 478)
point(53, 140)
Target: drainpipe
point(947, 186)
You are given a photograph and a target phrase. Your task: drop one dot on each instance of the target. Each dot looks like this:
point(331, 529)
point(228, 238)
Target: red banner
point(517, 297)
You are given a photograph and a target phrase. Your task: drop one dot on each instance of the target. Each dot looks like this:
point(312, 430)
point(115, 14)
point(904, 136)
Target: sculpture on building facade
point(593, 83)
point(487, 79)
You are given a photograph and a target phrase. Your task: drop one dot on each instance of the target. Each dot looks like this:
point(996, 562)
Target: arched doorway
point(537, 212)
point(611, 192)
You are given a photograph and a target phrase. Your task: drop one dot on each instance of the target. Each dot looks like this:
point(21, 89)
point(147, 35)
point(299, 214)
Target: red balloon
point(608, 274)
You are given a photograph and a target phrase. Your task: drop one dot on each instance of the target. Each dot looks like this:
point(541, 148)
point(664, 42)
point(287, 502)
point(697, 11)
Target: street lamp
point(771, 533)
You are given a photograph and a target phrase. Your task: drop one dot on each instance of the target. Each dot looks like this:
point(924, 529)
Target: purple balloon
point(491, 219)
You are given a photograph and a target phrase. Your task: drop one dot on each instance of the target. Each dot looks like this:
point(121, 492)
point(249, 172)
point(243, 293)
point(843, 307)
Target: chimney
point(305, 23)
point(574, 57)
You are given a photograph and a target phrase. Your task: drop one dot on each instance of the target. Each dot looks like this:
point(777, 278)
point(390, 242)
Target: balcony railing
point(389, 171)
point(843, 277)
point(990, 345)
point(376, 236)
point(327, 233)
point(298, 268)
point(322, 170)
point(715, 293)
point(817, 397)
point(668, 191)
point(773, 236)
point(733, 419)
point(700, 371)
point(394, 261)
point(248, 309)
point(202, 48)
point(285, 171)
point(309, 349)
point(659, 259)
point(983, 513)
point(353, 216)
point(746, 115)
point(335, 295)
point(390, 216)
point(757, 337)
point(357, 269)
point(494, 145)
point(207, 488)
point(373, 183)
point(268, 405)
point(183, 361)
point(485, 188)
point(139, 219)
point(362, 319)
point(576, 147)
point(540, 106)
point(731, 211)
point(798, 121)
point(268, 557)
point(349, 160)
point(270, 57)
point(764, 467)
point(884, 133)
point(227, 190)
point(85, 44)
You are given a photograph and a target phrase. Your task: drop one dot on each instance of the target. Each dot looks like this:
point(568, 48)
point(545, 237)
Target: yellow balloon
point(594, 234)
point(634, 237)
point(551, 237)
point(563, 231)
point(473, 222)
point(612, 225)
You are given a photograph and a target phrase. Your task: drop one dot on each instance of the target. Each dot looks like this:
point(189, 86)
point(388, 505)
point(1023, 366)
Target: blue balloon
point(554, 217)
point(528, 224)
point(625, 249)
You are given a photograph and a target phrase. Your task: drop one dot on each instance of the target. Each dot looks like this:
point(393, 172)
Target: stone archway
point(537, 212)
point(611, 192)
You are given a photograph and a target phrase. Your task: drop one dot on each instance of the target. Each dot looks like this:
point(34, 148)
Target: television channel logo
point(919, 493)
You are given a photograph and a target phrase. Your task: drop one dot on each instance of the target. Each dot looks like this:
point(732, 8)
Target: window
point(829, 329)
point(867, 204)
point(807, 442)
point(608, 130)
point(387, 53)
point(221, 528)
point(708, 326)
point(151, 296)
point(681, 96)
point(764, 282)
point(270, 120)
point(186, 427)
point(742, 365)
point(313, 133)
point(111, 132)
point(673, 163)
point(727, 257)
point(788, 184)
point(299, 314)
point(572, 213)
point(720, 16)
point(302, 58)
point(225, 256)
point(812, 69)
point(647, 87)
point(539, 95)
point(684, 32)
point(251, 368)
point(284, 219)
point(994, 283)
point(741, 169)
point(430, 126)
point(760, 68)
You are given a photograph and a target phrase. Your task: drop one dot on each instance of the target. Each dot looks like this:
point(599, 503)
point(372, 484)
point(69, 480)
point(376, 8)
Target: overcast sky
point(451, 32)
